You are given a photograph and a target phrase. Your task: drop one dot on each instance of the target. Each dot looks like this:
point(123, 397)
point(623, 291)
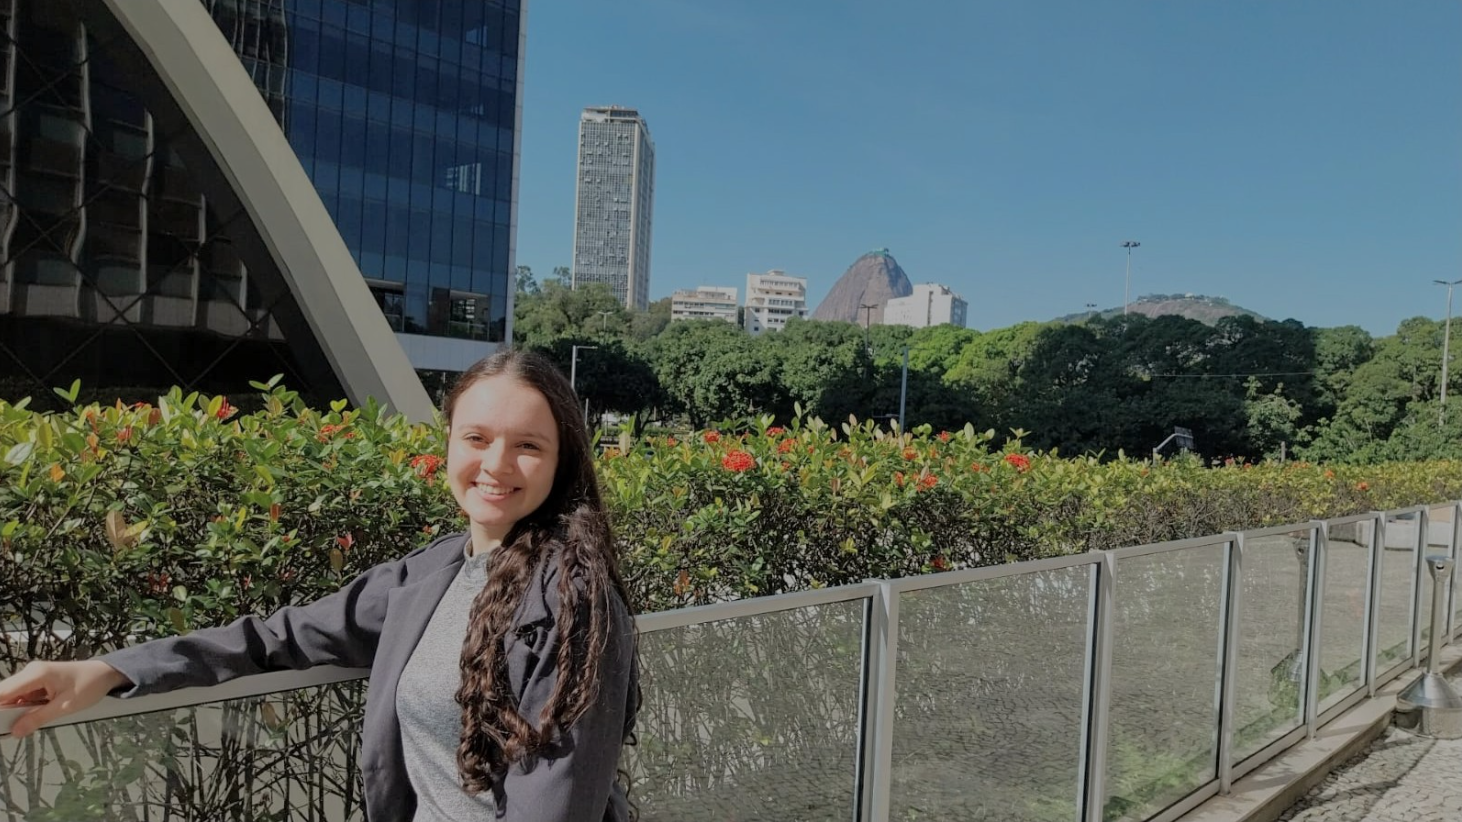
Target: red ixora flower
point(738, 461)
point(327, 430)
point(225, 410)
point(786, 445)
point(944, 436)
point(775, 430)
point(1019, 462)
point(426, 465)
point(910, 454)
point(939, 564)
point(671, 441)
point(711, 436)
point(976, 467)
point(1362, 486)
point(928, 481)
point(898, 478)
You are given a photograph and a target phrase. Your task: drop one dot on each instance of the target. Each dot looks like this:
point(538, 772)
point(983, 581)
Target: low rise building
point(930, 304)
point(772, 299)
point(704, 303)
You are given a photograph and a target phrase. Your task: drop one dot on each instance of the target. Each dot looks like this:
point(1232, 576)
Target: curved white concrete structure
point(249, 153)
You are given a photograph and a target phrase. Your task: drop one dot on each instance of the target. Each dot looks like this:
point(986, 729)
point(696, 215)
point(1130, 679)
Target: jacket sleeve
point(342, 628)
point(575, 782)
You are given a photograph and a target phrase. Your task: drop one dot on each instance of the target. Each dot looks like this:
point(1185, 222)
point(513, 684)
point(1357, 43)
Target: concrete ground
point(1401, 777)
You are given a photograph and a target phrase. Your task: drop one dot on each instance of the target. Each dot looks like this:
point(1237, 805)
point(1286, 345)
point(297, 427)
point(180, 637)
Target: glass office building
point(118, 267)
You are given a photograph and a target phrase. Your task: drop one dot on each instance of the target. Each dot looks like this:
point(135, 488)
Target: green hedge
point(151, 519)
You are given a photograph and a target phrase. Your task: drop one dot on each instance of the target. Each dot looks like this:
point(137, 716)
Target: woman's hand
point(64, 687)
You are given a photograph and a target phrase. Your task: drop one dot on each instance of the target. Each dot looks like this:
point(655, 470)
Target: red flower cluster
point(928, 481)
point(738, 461)
point(910, 454)
point(786, 445)
point(939, 564)
point(426, 465)
point(671, 441)
point(225, 410)
point(157, 584)
point(1362, 486)
point(327, 430)
point(1019, 462)
point(944, 436)
point(775, 430)
point(711, 437)
point(976, 467)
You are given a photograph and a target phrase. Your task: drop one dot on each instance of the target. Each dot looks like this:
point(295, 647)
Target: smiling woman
point(529, 605)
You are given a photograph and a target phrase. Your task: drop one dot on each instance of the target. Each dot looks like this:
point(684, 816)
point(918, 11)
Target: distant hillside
point(1207, 310)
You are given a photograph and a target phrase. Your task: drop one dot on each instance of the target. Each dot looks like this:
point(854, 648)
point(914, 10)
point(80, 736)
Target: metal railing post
point(1319, 550)
point(1418, 581)
point(874, 633)
point(1228, 670)
point(1096, 730)
point(1373, 603)
point(886, 637)
point(1452, 589)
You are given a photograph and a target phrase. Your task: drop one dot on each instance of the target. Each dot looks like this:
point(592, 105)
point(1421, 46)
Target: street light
point(574, 372)
point(1446, 349)
point(867, 319)
point(1127, 290)
point(604, 326)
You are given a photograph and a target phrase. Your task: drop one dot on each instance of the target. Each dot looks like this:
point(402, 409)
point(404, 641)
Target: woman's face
point(502, 454)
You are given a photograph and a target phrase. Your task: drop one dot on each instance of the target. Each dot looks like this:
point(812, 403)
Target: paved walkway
point(1400, 778)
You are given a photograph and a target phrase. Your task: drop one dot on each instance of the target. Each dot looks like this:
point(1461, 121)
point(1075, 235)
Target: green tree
point(1273, 419)
point(558, 311)
point(712, 370)
point(612, 376)
point(647, 324)
point(822, 365)
point(526, 283)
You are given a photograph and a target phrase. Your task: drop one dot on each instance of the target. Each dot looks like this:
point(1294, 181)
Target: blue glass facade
point(404, 114)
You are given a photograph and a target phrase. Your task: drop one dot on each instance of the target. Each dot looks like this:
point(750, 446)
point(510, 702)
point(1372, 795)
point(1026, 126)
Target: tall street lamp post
point(574, 372)
point(1446, 348)
point(1127, 290)
point(604, 326)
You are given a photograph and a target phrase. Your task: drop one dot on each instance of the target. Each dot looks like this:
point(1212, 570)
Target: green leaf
point(20, 452)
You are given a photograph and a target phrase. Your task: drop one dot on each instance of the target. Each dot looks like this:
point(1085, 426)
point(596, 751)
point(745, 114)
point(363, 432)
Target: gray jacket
point(375, 621)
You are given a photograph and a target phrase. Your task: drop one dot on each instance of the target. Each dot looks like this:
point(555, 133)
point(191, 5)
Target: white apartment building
point(930, 304)
point(773, 298)
point(613, 203)
point(704, 303)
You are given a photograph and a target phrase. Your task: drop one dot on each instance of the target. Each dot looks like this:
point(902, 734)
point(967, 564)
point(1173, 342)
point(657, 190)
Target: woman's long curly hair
point(571, 524)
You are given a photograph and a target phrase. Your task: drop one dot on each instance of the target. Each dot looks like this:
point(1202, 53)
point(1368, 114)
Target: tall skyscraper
point(614, 203)
point(126, 259)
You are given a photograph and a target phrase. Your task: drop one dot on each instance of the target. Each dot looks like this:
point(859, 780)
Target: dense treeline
point(1247, 388)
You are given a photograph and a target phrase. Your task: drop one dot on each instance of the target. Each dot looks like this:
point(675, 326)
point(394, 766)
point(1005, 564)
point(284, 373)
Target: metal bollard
point(1430, 706)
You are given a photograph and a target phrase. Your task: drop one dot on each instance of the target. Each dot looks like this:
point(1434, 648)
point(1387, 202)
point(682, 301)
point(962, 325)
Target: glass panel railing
point(287, 756)
point(1165, 675)
point(751, 718)
point(1269, 683)
point(991, 681)
point(1343, 611)
point(1398, 587)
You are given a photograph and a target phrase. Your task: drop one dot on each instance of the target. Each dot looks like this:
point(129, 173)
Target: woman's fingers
point(28, 685)
point(38, 716)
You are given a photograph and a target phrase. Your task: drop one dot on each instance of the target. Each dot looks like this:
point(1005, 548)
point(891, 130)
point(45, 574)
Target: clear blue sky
point(1302, 158)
